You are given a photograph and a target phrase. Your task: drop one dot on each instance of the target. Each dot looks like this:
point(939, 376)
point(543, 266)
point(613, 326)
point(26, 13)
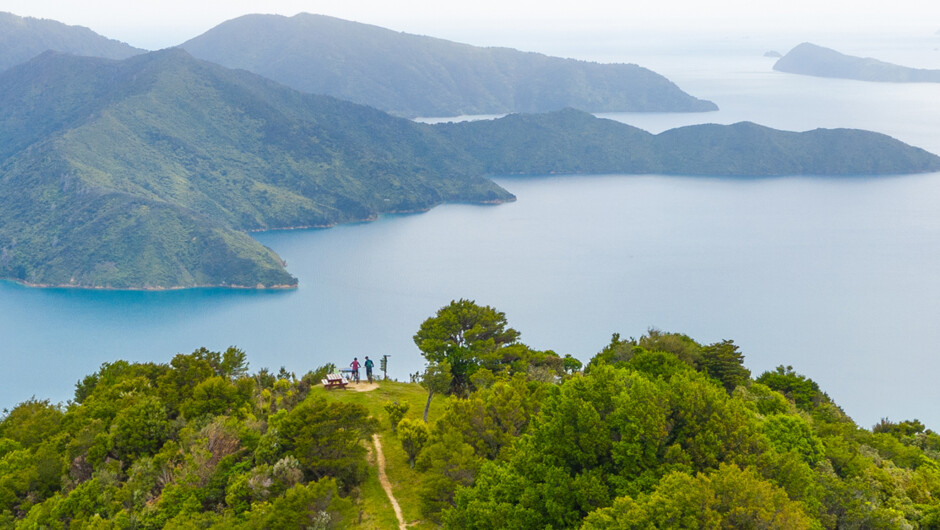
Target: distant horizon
point(153, 26)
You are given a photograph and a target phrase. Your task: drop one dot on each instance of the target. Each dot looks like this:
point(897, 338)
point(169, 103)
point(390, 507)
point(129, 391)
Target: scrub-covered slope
point(571, 141)
point(148, 172)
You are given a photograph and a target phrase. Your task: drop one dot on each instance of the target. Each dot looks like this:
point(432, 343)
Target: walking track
point(383, 479)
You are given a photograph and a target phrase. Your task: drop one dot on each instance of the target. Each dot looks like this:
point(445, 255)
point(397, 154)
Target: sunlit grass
point(375, 507)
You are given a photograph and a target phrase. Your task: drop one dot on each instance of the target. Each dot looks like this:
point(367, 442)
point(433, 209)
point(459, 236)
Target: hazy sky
point(157, 24)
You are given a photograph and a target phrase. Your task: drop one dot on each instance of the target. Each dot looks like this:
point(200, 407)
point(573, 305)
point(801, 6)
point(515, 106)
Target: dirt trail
point(383, 479)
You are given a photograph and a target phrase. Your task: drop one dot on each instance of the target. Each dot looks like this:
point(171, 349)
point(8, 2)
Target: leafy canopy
point(465, 335)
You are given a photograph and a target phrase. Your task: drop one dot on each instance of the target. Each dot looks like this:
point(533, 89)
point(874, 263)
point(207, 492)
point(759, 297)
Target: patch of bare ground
point(383, 480)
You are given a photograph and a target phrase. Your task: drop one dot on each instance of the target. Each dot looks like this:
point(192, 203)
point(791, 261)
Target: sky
point(151, 24)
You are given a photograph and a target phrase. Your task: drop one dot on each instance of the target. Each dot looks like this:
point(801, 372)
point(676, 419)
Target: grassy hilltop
point(655, 432)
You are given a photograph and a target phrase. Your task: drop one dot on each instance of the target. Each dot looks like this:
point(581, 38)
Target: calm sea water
point(837, 277)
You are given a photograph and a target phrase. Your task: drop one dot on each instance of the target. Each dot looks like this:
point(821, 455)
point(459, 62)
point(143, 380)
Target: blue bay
point(837, 277)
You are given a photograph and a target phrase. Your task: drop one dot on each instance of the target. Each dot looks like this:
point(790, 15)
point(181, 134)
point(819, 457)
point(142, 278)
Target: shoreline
point(258, 287)
point(376, 217)
point(31, 285)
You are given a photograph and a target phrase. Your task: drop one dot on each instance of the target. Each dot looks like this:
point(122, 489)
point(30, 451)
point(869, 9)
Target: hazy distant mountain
point(810, 59)
point(147, 172)
point(21, 39)
point(422, 76)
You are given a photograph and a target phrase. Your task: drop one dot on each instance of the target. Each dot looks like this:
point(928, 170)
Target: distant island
point(772, 53)
point(412, 75)
point(149, 173)
point(22, 38)
point(810, 59)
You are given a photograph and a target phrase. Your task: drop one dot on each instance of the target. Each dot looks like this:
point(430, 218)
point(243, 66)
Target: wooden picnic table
point(334, 381)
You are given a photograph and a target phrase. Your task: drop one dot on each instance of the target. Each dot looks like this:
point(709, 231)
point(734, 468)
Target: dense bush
point(658, 432)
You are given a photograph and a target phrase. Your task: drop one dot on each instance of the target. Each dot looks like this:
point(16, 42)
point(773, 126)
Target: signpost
point(383, 364)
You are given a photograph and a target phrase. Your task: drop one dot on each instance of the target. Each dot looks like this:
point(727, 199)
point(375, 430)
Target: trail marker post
point(383, 364)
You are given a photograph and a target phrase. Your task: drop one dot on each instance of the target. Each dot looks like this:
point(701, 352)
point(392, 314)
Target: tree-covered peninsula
point(575, 142)
point(656, 432)
point(149, 173)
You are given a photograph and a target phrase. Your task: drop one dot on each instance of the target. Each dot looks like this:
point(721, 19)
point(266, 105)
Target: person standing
point(369, 364)
point(355, 368)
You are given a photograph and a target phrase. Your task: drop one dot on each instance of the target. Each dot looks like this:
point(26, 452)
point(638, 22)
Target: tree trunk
point(428, 405)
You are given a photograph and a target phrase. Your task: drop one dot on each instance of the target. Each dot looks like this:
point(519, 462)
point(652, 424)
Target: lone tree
point(414, 436)
point(464, 334)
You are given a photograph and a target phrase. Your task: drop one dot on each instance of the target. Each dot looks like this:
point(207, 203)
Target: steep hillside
point(413, 75)
point(147, 172)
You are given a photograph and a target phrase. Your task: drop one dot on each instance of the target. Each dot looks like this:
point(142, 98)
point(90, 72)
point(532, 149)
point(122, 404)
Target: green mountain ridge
point(414, 75)
point(148, 173)
point(182, 157)
point(22, 38)
point(545, 143)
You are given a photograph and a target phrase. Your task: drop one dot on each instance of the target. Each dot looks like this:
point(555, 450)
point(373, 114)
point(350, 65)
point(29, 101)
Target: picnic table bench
point(334, 381)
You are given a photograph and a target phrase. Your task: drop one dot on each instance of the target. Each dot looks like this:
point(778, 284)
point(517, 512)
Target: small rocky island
point(810, 59)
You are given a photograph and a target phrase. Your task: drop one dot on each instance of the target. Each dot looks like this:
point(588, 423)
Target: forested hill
point(570, 141)
point(811, 59)
point(22, 38)
point(657, 432)
point(148, 172)
point(414, 75)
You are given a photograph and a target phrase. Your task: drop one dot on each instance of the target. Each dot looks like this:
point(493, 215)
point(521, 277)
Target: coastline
point(257, 287)
point(72, 286)
point(376, 217)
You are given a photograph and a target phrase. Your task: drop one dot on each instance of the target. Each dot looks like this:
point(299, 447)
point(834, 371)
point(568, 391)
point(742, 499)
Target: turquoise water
point(836, 277)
